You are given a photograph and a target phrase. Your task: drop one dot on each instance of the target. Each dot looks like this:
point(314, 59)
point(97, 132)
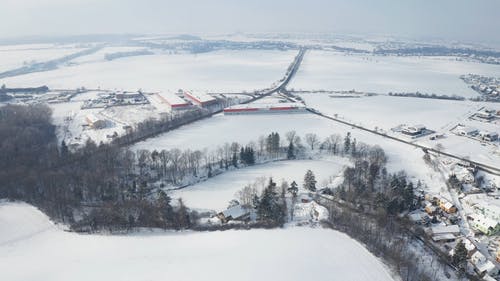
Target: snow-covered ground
point(221, 71)
point(386, 112)
point(245, 128)
point(216, 192)
point(383, 74)
point(36, 250)
point(15, 56)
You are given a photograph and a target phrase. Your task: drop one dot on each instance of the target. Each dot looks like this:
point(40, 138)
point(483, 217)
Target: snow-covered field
point(31, 248)
point(15, 56)
point(221, 71)
point(245, 128)
point(387, 112)
point(216, 192)
point(338, 71)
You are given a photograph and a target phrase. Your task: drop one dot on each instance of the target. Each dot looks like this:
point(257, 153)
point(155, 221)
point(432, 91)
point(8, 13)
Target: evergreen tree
point(293, 189)
point(234, 160)
point(270, 208)
point(290, 153)
point(459, 258)
point(347, 142)
point(64, 149)
point(310, 181)
point(164, 207)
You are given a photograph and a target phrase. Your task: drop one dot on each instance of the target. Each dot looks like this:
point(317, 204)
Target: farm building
point(200, 99)
point(95, 122)
point(488, 136)
point(467, 131)
point(174, 102)
point(237, 212)
point(414, 130)
point(281, 108)
point(484, 225)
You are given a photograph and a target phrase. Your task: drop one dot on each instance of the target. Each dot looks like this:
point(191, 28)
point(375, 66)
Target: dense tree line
point(101, 178)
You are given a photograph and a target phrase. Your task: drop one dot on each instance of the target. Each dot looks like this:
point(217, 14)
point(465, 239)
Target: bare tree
point(312, 140)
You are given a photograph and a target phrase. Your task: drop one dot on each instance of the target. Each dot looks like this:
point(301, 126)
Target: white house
point(488, 136)
point(467, 131)
point(414, 130)
point(481, 264)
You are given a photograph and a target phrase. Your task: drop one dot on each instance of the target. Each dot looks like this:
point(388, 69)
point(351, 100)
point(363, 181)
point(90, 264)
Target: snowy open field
point(221, 71)
point(387, 112)
point(216, 192)
point(15, 56)
point(28, 240)
point(367, 73)
point(215, 131)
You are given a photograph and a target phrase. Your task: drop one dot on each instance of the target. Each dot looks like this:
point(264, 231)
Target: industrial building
point(281, 108)
point(173, 101)
point(200, 99)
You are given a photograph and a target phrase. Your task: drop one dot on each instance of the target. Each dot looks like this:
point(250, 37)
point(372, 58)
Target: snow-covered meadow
point(220, 71)
point(15, 56)
point(32, 248)
point(215, 193)
point(383, 74)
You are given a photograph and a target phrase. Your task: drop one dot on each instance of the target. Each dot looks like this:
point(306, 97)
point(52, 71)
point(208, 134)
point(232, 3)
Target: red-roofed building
point(200, 99)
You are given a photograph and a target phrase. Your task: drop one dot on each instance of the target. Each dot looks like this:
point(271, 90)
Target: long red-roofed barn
point(200, 99)
point(279, 108)
point(173, 101)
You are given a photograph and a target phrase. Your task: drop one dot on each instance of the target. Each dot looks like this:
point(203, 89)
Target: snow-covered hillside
point(281, 254)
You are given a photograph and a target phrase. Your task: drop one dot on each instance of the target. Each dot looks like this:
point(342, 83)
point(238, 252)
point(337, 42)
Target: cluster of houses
point(488, 86)
point(485, 215)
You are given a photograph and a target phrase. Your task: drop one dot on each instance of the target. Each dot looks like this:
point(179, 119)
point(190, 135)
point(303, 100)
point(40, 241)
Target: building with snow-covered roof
point(481, 264)
point(200, 99)
point(447, 206)
point(95, 122)
point(484, 205)
point(488, 136)
point(279, 108)
point(485, 115)
point(445, 229)
point(484, 225)
point(467, 131)
point(173, 101)
point(237, 212)
point(414, 130)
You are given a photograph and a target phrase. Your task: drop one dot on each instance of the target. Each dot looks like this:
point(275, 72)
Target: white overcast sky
point(468, 20)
